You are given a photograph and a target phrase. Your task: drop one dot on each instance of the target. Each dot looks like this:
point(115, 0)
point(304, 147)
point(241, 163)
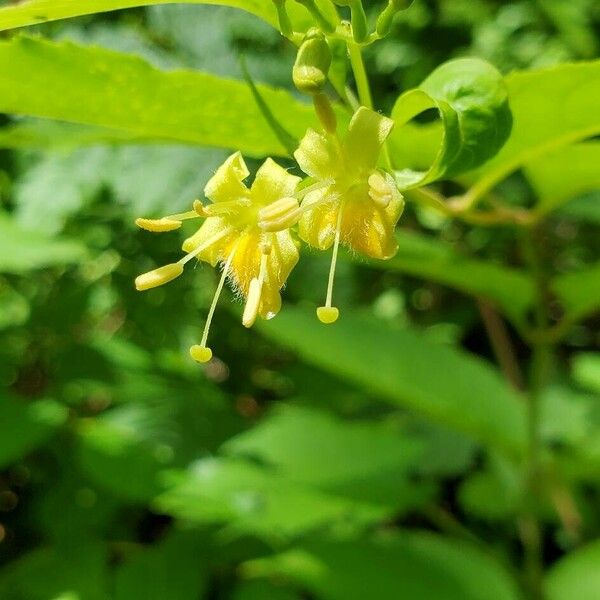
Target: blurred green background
point(302, 462)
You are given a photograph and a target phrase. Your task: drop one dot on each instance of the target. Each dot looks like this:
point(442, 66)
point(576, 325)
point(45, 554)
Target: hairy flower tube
point(353, 202)
point(246, 230)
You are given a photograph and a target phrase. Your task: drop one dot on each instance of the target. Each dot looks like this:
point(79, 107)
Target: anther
point(279, 215)
point(201, 354)
point(328, 314)
point(158, 276)
point(169, 223)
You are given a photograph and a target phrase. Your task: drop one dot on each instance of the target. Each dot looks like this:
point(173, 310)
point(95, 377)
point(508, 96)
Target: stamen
point(254, 294)
point(157, 277)
point(279, 215)
point(329, 314)
point(209, 242)
point(220, 208)
point(379, 190)
point(201, 352)
point(165, 223)
point(311, 188)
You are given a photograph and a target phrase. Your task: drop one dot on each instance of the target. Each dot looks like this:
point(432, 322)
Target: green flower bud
point(312, 64)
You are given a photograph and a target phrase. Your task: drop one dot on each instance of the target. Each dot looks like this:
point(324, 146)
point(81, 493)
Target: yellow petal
point(368, 228)
point(245, 266)
point(228, 182)
point(215, 252)
point(272, 182)
point(367, 133)
point(318, 155)
point(317, 225)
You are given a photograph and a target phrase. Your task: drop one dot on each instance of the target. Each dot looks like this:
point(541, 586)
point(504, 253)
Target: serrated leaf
point(93, 86)
point(472, 101)
point(399, 365)
point(392, 566)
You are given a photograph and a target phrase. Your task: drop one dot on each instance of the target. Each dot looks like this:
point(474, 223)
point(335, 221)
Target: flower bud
point(312, 65)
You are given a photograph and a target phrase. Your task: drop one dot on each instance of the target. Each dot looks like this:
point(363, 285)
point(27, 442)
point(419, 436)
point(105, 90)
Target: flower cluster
point(251, 231)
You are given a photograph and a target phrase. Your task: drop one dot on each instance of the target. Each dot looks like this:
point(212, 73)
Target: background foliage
point(387, 456)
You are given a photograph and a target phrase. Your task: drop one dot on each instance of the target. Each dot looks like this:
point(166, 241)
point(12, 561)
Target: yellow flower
point(354, 203)
point(247, 231)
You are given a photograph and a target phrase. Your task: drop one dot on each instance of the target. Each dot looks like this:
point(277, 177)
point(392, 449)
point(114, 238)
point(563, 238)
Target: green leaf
point(124, 451)
point(586, 370)
point(38, 134)
point(254, 500)
point(33, 12)
point(564, 174)
point(22, 251)
point(578, 292)
point(93, 86)
point(392, 566)
point(511, 290)
point(399, 365)
point(576, 576)
point(552, 108)
point(262, 590)
point(472, 102)
point(172, 569)
point(318, 450)
point(25, 426)
point(76, 572)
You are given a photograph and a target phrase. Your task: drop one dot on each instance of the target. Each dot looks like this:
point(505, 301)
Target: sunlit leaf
point(472, 101)
point(93, 86)
point(22, 251)
point(405, 565)
point(576, 576)
point(430, 259)
point(400, 365)
point(33, 12)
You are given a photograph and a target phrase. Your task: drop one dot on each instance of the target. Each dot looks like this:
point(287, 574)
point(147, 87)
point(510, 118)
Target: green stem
point(360, 75)
point(541, 367)
point(364, 90)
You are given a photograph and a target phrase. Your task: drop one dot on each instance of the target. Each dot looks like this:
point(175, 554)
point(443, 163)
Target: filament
point(209, 242)
point(215, 300)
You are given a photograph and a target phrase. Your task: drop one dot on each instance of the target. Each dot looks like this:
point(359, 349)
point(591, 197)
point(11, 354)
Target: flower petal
point(368, 228)
point(367, 132)
point(318, 155)
point(272, 182)
point(217, 251)
point(280, 263)
point(245, 266)
point(317, 225)
point(228, 182)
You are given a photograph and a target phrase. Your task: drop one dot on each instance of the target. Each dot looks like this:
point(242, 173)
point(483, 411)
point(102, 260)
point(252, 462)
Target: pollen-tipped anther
point(201, 354)
point(279, 215)
point(328, 314)
point(159, 276)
